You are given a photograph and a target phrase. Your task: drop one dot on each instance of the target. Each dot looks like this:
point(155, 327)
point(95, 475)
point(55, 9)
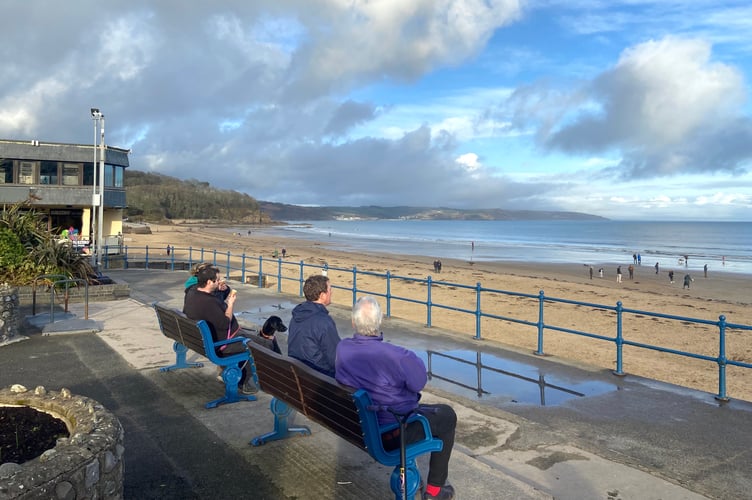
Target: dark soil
point(26, 433)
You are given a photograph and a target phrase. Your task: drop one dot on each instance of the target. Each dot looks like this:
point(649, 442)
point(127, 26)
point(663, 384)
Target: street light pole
point(96, 115)
point(100, 221)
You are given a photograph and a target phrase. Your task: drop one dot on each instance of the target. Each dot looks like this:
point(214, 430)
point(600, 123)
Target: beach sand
point(708, 298)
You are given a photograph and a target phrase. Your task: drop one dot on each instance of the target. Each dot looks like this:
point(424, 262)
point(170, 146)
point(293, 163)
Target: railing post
point(541, 324)
point(388, 294)
point(214, 257)
point(619, 341)
point(261, 271)
point(242, 267)
point(146, 258)
point(477, 311)
point(355, 284)
point(202, 255)
point(106, 255)
point(721, 396)
point(279, 277)
point(301, 278)
point(428, 302)
point(125, 261)
point(227, 272)
point(172, 258)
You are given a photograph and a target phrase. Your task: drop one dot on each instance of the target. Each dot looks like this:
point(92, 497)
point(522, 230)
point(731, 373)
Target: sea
point(723, 246)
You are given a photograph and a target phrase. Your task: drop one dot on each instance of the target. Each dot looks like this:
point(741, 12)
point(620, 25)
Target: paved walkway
point(623, 438)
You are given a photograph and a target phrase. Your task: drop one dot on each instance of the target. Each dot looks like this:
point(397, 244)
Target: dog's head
point(273, 324)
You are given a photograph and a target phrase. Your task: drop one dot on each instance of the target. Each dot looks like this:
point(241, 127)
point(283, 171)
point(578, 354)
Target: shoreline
point(728, 294)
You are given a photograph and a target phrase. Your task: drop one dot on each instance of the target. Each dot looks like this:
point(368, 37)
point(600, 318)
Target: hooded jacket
point(312, 337)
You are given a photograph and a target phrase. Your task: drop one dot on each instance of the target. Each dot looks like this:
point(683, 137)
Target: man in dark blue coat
point(313, 336)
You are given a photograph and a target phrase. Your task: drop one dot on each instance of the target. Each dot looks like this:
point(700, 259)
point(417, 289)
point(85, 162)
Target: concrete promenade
point(631, 438)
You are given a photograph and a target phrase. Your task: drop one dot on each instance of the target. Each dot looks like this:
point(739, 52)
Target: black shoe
point(445, 493)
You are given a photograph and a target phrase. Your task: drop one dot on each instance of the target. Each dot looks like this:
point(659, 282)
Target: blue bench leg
point(412, 476)
point(180, 361)
point(282, 429)
point(231, 375)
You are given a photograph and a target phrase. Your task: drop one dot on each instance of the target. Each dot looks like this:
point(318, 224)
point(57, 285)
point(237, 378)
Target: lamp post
point(96, 115)
point(97, 199)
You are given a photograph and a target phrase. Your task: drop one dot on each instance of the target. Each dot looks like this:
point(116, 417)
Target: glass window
point(88, 174)
point(26, 173)
point(119, 176)
point(6, 171)
point(71, 174)
point(108, 177)
point(48, 172)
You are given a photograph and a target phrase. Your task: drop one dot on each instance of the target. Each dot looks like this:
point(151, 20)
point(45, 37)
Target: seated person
point(202, 303)
point(394, 377)
point(313, 336)
point(223, 290)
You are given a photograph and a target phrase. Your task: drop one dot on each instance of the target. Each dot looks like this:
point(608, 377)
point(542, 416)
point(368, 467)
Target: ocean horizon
point(722, 246)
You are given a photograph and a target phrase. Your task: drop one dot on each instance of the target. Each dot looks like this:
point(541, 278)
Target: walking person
point(618, 274)
point(687, 280)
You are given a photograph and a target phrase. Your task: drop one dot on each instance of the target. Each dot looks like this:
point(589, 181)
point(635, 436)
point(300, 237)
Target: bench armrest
point(372, 432)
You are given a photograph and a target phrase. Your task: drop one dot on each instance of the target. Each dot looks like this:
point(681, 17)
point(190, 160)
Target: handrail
point(295, 272)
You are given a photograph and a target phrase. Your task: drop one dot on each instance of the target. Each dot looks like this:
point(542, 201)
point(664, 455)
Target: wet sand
point(708, 298)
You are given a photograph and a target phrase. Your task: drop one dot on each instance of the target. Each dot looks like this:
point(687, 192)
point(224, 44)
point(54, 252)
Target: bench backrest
point(315, 395)
point(178, 327)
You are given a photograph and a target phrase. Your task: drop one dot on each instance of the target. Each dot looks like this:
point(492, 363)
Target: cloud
point(665, 105)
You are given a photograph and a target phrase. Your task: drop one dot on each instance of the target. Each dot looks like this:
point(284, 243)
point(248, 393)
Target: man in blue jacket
point(313, 336)
point(394, 377)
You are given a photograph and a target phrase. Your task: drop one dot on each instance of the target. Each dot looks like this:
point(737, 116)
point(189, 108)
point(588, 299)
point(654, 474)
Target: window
point(71, 174)
point(108, 181)
point(119, 176)
point(26, 172)
point(6, 171)
point(88, 174)
point(48, 173)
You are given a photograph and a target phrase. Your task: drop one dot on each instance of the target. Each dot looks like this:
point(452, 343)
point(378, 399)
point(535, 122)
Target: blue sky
point(628, 109)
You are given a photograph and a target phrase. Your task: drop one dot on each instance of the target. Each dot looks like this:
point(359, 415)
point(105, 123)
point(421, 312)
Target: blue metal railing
point(296, 272)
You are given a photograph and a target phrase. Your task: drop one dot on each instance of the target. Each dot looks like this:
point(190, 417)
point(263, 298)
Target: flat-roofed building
point(58, 179)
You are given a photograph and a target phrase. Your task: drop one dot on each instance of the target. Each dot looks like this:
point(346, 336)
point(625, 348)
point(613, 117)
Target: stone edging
point(88, 464)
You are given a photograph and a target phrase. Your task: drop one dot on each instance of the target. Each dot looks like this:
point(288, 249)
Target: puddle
point(262, 312)
point(501, 382)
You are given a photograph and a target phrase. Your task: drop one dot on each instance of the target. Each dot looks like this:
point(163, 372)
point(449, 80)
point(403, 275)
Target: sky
point(626, 109)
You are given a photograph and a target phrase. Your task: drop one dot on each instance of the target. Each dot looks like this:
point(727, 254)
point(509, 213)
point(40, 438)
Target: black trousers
point(443, 421)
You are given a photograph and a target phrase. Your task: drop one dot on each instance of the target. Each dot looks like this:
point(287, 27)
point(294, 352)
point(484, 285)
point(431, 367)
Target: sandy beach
point(708, 298)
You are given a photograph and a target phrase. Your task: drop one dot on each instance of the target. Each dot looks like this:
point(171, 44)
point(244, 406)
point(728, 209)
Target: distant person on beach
point(591, 271)
point(395, 376)
point(705, 270)
point(631, 271)
point(438, 262)
point(639, 259)
point(686, 261)
point(687, 280)
point(618, 274)
point(168, 250)
point(671, 276)
point(472, 246)
point(313, 336)
point(656, 268)
point(634, 258)
point(284, 253)
point(600, 272)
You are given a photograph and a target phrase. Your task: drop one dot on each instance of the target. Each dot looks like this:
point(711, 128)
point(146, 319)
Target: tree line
point(155, 197)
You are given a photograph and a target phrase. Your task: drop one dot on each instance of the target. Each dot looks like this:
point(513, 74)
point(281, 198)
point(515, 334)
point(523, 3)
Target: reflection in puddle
point(260, 314)
point(500, 381)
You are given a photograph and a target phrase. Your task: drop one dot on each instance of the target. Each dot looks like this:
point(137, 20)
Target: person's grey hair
point(366, 316)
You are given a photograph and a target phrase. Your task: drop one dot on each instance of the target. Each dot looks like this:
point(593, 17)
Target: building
point(59, 181)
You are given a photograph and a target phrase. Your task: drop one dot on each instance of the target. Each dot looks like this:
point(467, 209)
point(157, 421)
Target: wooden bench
point(347, 412)
point(188, 334)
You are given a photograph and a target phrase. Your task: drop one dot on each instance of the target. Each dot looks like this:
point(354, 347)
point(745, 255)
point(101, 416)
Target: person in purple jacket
point(394, 377)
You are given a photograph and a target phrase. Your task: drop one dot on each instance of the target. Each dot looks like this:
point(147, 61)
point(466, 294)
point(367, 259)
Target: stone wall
point(86, 465)
point(10, 314)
